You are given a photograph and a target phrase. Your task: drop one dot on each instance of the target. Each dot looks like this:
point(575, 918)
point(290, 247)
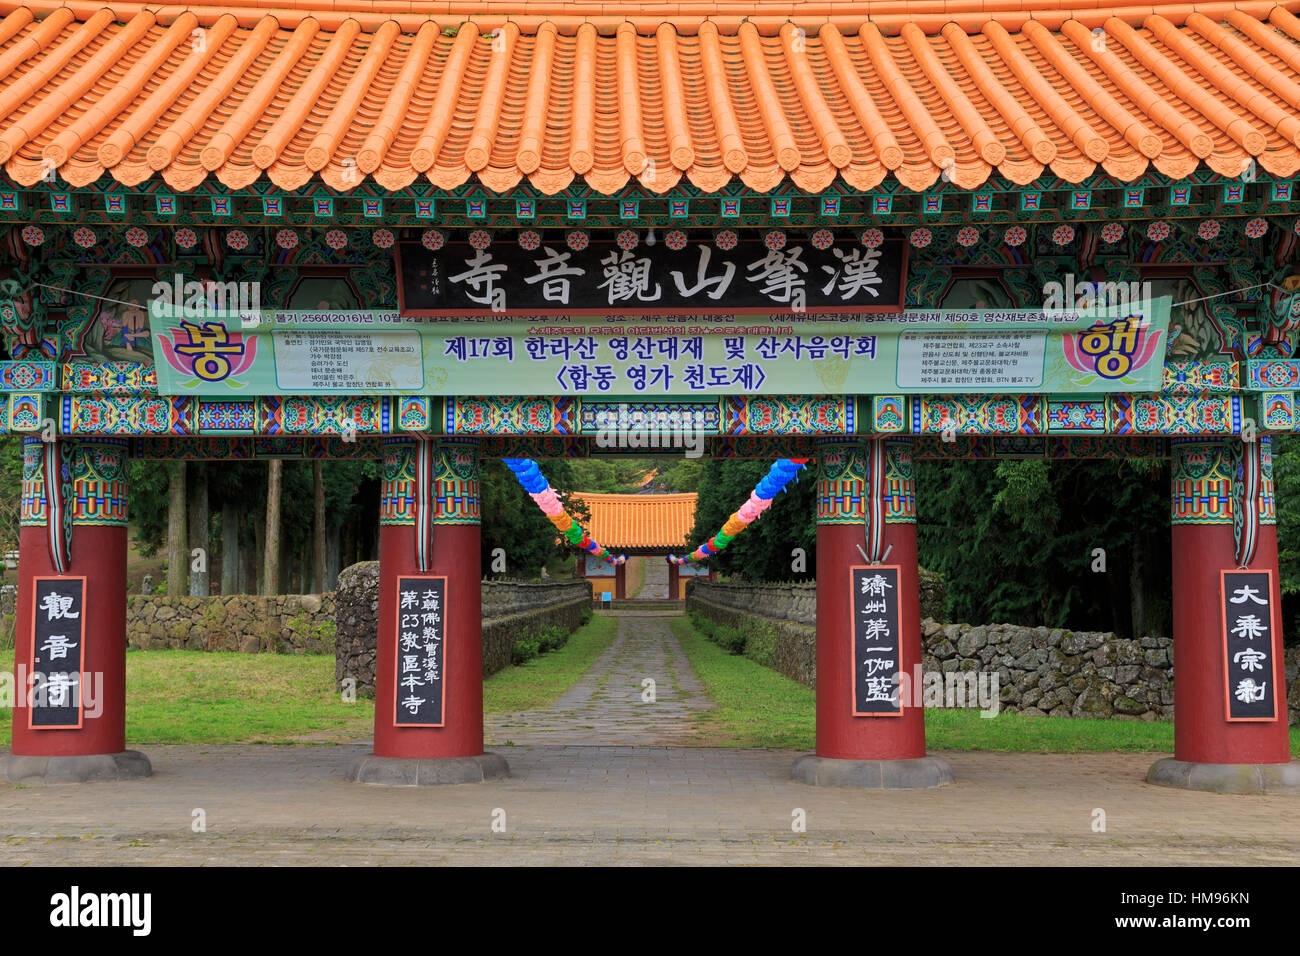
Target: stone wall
point(512, 610)
point(1058, 672)
point(357, 614)
point(285, 624)
point(778, 621)
point(517, 609)
point(1041, 670)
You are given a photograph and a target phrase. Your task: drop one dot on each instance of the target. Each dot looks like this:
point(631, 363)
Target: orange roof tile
point(653, 92)
point(639, 522)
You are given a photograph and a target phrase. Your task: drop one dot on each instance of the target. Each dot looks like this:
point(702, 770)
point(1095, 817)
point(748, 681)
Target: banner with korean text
point(230, 354)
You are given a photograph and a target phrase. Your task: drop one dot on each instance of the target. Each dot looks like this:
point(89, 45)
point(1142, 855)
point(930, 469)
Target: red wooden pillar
point(73, 526)
point(870, 752)
point(429, 526)
point(620, 582)
point(1209, 484)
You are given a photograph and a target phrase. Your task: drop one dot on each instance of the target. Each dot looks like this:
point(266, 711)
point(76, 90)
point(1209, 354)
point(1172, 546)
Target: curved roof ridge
point(567, 15)
point(291, 93)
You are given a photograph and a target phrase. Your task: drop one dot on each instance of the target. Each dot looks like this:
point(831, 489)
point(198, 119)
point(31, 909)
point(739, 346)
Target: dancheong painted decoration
point(842, 233)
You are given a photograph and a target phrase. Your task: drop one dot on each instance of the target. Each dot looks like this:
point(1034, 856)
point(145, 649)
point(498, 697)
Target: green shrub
point(540, 642)
point(524, 651)
point(760, 644)
point(552, 638)
point(728, 638)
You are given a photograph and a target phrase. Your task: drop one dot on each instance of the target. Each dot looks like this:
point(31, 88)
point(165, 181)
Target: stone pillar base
point(80, 768)
point(910, 774)
point(415, 772)
point(1227, 777)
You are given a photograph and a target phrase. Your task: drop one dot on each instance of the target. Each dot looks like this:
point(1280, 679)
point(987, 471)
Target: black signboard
point(420, 671)
point(877, 641)
point(696, 279)
point(1250, 620)
point(58, 653)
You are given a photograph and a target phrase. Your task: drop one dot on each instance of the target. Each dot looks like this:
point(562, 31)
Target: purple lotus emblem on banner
point(1114, 349)
point(208, 351)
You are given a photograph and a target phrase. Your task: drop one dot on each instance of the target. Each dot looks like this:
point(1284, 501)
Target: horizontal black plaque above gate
point(749, 278)
point(877, 640)
point(58, 653)
point(420, 659)
point(1250, 620)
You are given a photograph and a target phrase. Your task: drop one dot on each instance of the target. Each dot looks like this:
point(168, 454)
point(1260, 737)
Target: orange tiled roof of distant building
point(616, 93)
point(639, 522)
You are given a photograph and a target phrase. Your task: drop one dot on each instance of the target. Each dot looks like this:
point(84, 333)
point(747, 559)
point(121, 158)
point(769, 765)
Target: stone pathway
point(655, 585)
point(607, 705)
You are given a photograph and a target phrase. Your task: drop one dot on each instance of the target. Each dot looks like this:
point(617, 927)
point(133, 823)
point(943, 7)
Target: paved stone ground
point(655, 585)
point(568, 801)
point(606, 706)
point(616, 805)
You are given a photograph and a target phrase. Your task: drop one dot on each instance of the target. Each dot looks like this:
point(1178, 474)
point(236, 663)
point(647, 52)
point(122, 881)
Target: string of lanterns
point(774, 482)
point(539, 489)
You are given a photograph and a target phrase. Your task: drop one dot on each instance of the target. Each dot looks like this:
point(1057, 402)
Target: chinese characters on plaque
point(747, 278)
point(1248, 621)
point(421, 651)
point(877, 641)
point(58, 633)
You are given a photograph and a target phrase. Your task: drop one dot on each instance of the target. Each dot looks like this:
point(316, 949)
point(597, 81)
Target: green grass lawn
point(194, 697)
point(197, 697)
point(758, 707)
point(540, 681)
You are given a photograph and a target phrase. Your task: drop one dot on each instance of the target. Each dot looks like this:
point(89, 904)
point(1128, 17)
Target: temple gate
point(652, 526)
point(843, 240)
